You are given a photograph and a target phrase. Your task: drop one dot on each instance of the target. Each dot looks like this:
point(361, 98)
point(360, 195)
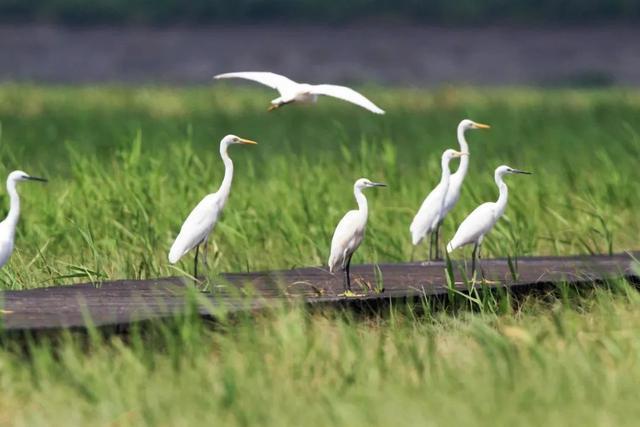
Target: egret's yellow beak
point(481, 126)
point(246, 141)
point(272, 107)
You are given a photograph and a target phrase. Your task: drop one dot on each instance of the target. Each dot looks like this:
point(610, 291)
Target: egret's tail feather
point(450, 247)
point(175, 253)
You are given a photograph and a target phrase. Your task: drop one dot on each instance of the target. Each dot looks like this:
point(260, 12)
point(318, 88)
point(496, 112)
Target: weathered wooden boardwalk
point(125, 301)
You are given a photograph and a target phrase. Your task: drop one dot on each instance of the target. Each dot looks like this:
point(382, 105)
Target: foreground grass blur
point(126, 165)
point(559, 362)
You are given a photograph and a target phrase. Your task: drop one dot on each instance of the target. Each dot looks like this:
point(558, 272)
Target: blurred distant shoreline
point(390, 54)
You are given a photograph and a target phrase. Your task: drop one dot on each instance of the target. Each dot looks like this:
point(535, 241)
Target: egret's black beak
point(378, 184)
point(36, 178)
point(522, 172)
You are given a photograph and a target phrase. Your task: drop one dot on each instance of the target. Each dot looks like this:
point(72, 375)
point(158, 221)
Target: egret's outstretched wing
point(196, 227)
point(478, 223)
point(274, 81)
point(346, 94)
point(346, 239)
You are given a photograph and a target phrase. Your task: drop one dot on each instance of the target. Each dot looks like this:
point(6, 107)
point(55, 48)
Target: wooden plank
point(125, 301)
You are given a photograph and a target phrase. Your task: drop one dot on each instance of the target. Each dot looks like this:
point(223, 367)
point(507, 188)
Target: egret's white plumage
point(9, 224)
point(203, 218)
point(455, 181)
point(291, 91)
point(431, 211)
point(484, 217)
point(350, 231)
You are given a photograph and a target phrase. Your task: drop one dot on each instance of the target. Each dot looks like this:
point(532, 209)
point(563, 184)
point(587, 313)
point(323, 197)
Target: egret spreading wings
point(291, 91)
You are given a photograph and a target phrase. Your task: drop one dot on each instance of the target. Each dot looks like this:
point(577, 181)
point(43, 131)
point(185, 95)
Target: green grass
point(127, 164)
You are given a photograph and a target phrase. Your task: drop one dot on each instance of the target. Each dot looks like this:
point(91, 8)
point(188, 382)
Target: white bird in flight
point(432, 210)
point(350, 232)
point(8, 226)
point(455, 181)
point(483, 218)
point(203, 218)
point(291, 91)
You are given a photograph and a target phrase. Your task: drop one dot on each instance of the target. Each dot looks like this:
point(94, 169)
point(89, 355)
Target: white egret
point(203, 218)
point(8, 225)
point(350, 232)
point(291, 91)
point(431, 211)
point(455, 181)
point(483, 218)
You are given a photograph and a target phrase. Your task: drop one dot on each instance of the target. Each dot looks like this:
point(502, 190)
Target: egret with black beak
point(483, 219)
point(350, 232)
point(8, 226)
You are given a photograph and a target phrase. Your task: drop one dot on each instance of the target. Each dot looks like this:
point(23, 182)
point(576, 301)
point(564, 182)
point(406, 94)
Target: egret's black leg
point(473, 261)
point(347, 275)
point(430, 247)
point(205, 254)
point(438, 243)
point(480, 262)
point(195, 262)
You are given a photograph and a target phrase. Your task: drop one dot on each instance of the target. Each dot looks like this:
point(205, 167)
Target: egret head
point(452, 154)
point(467, 124)
point(232, 139)
point(365, 183)
point(18, 176)
point(504, 169)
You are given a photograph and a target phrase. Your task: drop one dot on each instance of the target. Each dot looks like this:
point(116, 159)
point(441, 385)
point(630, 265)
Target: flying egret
point(8, 225)
point(291, 91)
point(483, 218)
point(202, 219)
point(350, 232)
point(455, 181)
point(432, 211)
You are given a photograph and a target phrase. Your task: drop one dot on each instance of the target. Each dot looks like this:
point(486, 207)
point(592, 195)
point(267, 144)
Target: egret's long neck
point(464, 147)
point(363, 207)
point(14, 204)
point(446, 173)
point(501, 204)
point(225, 187)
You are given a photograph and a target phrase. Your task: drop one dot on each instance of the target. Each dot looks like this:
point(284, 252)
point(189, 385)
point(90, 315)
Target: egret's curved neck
point(464, 147)
point(225, 187)
point(446, 173)
point(14, 204)
point(501, 204)
point(363, 207)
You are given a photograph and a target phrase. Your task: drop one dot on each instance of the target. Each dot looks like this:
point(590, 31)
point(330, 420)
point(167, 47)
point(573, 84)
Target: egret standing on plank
point(432, 212)
point(482, 219)
point(350, 232)
point(455, 181)
point(291, 91)
point(203, 218)
point(8, 226)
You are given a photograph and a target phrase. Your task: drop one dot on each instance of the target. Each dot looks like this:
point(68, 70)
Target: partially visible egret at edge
point(291, 91)
point(350, 232)
point(431, 212)
point(203, 218)
point(483, 219)
point(9, 224)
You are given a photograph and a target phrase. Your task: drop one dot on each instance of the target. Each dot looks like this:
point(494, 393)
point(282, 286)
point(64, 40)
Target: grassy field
point(127, 164)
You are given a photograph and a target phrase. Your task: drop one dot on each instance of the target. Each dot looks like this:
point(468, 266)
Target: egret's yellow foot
point(350, 294)
point(272, 107)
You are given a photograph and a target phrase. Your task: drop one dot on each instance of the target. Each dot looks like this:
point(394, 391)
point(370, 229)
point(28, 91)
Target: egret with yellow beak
point(203, 218)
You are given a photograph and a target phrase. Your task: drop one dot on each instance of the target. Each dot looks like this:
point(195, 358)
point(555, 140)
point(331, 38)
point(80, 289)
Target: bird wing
point(273, 80)
point(196, 227)
point(347, 237)
point(429, 212)
point(478, 223)
point(346, 94)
